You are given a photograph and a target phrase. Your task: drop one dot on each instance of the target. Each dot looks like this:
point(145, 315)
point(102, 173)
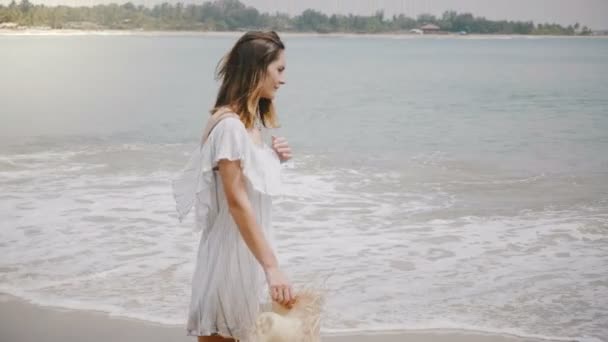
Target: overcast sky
point(593, 13)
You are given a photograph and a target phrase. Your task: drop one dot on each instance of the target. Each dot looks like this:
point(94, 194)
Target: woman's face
point(274, 77)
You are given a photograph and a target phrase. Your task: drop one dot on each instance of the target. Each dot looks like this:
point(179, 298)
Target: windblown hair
point(242, 73)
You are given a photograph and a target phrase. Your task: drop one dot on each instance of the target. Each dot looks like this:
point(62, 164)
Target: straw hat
point(301, 323)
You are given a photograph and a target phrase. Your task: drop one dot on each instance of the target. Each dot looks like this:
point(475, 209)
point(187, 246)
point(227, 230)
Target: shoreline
point(21, 320)
point(109, 32)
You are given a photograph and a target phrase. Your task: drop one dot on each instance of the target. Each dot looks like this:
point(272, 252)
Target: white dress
point(228, 285)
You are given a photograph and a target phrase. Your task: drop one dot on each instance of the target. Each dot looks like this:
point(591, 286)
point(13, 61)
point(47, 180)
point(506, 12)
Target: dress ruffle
point(228, 140)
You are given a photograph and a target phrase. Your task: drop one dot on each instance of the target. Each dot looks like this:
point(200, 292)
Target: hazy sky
point(593, 13)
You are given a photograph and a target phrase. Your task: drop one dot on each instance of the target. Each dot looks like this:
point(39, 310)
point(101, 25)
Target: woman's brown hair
point(242, 72)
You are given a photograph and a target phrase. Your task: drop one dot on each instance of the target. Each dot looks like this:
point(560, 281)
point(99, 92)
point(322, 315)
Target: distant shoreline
point(73, 32)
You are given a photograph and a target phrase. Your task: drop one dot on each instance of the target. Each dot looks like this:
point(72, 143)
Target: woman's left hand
point(281, 147)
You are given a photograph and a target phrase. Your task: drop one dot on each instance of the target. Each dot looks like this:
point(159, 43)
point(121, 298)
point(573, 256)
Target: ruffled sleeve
point(228, 140)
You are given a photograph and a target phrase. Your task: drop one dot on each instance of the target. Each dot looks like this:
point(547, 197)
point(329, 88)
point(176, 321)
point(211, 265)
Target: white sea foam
point(110, 241)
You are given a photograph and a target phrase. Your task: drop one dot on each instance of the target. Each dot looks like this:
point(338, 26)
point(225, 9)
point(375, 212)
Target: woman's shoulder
point(231, 123)
point(229, 136)
point(227, 122)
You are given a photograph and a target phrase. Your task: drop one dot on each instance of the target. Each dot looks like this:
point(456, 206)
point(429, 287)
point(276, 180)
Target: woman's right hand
point(280, 287)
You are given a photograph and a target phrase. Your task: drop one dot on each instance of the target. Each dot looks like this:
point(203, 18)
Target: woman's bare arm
point(240, 208)
point(233, 181)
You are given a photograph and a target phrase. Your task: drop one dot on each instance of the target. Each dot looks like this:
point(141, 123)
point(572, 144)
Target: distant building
point(430, 28)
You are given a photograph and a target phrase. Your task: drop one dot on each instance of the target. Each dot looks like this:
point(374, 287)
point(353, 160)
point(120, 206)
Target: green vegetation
point(231, 15)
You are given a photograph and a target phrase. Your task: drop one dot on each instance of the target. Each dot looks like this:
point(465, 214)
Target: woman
point(230, 180)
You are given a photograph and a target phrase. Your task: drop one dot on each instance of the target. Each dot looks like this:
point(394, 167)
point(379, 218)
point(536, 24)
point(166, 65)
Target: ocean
point(437, 182)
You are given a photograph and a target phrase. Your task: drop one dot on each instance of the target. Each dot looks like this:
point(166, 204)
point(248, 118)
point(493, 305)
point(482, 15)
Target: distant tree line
point(231, 15)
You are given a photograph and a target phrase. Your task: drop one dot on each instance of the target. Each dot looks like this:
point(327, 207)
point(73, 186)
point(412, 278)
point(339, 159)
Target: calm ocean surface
point(436, 183)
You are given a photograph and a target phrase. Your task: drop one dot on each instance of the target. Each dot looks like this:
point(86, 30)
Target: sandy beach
point(21, 321)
